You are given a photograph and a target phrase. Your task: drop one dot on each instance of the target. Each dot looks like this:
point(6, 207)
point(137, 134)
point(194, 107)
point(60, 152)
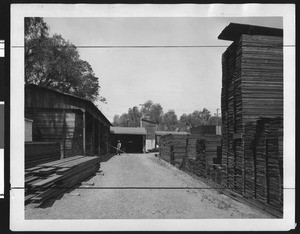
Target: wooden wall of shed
point(49, 126)
point(40, 98)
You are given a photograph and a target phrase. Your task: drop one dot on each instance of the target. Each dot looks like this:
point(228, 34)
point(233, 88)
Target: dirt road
point(141, 186)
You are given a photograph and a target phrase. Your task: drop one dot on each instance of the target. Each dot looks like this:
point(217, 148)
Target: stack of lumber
point(41, 152)
point(250, 160)
point(165, 143)
point(48, 180)
point(191, 148)
point(214, 173)
point(203, 151)
point(201, 164)
point(212, 145)
point(252, 108)
point(263, 162)
point(180, 144)
point(203, 129)
point(252, 87)
point(173, 148)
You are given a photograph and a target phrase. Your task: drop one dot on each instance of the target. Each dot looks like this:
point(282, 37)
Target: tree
point(153, 111)
point(170, 121)
point(185, 122)
point(129, 119)
point(54, 62)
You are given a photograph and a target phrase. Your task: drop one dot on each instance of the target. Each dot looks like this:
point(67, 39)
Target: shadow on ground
point(106, 157)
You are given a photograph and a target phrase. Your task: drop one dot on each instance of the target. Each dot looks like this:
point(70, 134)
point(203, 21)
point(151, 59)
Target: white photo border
point(19, 11)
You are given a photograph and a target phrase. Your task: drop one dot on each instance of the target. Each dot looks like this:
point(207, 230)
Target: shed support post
point(144, 144)
point(93, 137)
point(99, 138)
point(63, 151)
point(106, 140)
point(83, 131)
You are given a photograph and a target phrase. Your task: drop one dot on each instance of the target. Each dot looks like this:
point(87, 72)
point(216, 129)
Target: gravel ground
point(142, 186)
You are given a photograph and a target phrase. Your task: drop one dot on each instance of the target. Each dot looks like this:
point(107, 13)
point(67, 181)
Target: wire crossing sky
point(174, 61)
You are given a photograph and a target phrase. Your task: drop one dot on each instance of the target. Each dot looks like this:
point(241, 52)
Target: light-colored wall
point(28, 129)
point(150, 144)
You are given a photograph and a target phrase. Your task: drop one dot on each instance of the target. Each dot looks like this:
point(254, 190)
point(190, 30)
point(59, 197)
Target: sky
point(182, 78)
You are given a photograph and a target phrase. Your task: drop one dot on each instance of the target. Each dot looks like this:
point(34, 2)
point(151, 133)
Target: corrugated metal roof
point(161, 133)
point(233, 31)
point(128, 130)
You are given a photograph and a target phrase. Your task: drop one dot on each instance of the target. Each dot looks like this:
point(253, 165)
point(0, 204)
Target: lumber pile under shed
point(41, 152)
point(252, 89)
point(48, 180)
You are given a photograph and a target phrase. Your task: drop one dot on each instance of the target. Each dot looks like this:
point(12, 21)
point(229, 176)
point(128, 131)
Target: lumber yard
point(243, 160)
point(247, 159)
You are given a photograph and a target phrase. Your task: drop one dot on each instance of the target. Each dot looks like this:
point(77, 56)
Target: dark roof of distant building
point(233, 31)
point(161, 133)
point(128, 130)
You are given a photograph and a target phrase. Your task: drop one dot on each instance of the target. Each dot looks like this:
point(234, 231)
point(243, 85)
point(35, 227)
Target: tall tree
point(170, 121)
point(153, 111)
point(54, 62)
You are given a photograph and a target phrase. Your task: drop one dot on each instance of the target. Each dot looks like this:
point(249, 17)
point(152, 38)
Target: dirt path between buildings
point(142, 186)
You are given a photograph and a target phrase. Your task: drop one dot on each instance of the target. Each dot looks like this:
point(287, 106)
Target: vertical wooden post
point(83, 131)
point(99, 138)
point(63, 152)
point(93, 137)
point(106, 139)
point(144, 144)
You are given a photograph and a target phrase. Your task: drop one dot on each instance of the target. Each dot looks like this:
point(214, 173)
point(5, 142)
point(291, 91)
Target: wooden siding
point(39, 97)
point(62, 126)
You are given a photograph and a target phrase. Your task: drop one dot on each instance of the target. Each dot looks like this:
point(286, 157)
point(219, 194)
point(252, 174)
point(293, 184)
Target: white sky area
point(183, 79)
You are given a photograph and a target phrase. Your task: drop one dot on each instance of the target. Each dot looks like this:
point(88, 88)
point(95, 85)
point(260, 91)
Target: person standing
point(119, 147)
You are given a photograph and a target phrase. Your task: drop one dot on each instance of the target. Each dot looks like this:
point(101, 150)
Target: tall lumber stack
point(48, 180)
point(41, 152)
point(252, 88)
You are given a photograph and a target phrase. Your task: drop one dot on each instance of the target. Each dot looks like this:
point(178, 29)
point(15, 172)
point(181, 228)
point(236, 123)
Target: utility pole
point(218, 116)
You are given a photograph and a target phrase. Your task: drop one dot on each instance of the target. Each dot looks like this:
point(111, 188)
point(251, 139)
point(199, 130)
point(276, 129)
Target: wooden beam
point(63, 153)
point(83, 131)
point(99, 137)
point(93, 137)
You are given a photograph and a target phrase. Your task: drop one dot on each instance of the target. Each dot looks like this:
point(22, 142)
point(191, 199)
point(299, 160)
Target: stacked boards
point(173, 147)
point(203, 152)
point(41, 152)
point(48, 180)
point(264, 161)
point(165, 147)
point(252, 89)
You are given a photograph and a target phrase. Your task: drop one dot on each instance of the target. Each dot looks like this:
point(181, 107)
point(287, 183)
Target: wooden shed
point(133, 139)
point(76, 123)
